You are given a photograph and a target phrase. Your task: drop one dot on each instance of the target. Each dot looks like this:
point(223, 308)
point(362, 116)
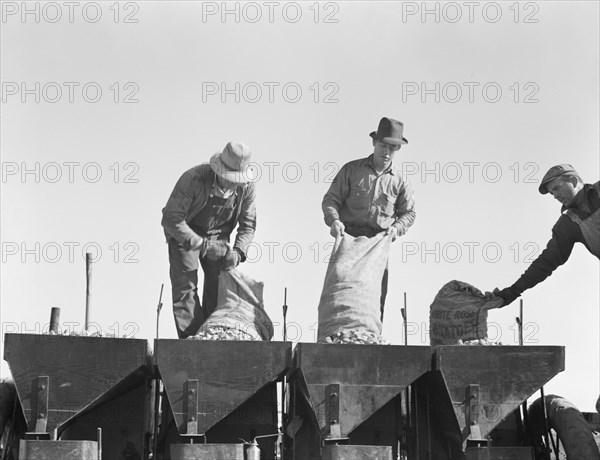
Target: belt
point(361, 230)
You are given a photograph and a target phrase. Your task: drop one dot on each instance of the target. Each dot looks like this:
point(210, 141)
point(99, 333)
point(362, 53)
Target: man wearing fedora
point(578, 223)
point(206, 205)
point(370, 195)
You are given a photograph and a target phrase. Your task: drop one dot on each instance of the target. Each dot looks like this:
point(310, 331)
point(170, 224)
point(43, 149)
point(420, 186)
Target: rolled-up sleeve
point(177, 208)
point(405, 208)
point(335, 196)
point(558, 250)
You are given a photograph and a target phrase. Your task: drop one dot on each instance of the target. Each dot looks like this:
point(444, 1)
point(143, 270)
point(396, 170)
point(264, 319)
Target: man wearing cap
point(579, 223)
point(207, 203)
point(370, 195)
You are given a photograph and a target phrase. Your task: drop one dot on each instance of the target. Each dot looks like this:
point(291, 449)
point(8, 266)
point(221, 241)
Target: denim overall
point(590, 228)
point(215, 222)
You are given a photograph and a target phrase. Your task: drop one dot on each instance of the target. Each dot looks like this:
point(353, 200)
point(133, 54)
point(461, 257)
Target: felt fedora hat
point(389, 131)
point(233, 163)
point(553, 173)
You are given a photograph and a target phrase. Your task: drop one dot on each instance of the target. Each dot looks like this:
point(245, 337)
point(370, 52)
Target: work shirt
point(578, 224)
point(361, 197)
point(190, 196)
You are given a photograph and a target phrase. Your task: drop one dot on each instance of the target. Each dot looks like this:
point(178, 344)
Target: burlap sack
point(352, 289)
point(240, 306)
point(459, 312)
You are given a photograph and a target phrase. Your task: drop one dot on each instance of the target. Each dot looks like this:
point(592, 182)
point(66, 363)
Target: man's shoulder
point(565, 223)
point(398, 173)
point(199, 170)
point(248, 188)
point(357, 163)
point(195, 177)
point(197, 173)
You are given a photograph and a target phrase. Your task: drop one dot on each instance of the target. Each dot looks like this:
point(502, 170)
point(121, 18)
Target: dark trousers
point(189, 313)
point(356, 231)
point(384, 288)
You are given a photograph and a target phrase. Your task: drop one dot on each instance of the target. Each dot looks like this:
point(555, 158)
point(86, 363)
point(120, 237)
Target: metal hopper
point(351, 395)
point(472, 389)
point(218, 392)
point(69, 386)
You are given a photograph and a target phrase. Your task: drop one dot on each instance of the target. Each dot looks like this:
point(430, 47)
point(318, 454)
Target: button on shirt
point(361, 197)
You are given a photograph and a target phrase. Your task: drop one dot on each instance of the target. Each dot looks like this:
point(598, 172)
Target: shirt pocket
point(359, 190)
point(358, 199)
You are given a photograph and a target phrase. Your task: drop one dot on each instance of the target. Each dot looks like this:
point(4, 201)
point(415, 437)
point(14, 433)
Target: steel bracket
point(332, 409)
point(191, 416)
point(472, 412)
point(40, 394)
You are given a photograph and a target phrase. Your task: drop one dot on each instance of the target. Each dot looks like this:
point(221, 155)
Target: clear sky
point(105, 105)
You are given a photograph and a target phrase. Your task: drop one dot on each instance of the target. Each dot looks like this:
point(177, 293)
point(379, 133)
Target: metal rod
point(407, 393)
point(157, 391)
point(99, 431)
point(265, 436)
point(521, 420)
point(284, 379)
point(54, 320)
point(88, 288)
point(285, 308)
point(404, 312)
point(283, 396)
point(520, 322)
point(159, 308)
point(157, 382)
point(546, 427)
point(526, 433)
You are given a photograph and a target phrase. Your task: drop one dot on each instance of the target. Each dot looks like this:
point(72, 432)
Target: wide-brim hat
point(553, 173)
point(233, 163)
point(389, 131)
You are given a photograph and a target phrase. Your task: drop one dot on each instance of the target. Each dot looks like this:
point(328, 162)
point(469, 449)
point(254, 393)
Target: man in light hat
point(370, 195)
point(579, 223)
point(207, 203)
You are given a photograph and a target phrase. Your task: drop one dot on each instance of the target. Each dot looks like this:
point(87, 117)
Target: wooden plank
point(79, 370)
point(506, 375)
point(369, 377)
point(228, 374)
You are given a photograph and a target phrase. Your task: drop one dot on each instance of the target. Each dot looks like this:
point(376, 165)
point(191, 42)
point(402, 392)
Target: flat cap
point(553, 173)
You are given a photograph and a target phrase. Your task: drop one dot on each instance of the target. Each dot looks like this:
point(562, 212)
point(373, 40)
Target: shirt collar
point(218, 191)
point(371, 163)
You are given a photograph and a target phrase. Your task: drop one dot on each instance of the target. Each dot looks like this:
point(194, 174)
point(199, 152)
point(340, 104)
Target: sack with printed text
point(459, 313)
